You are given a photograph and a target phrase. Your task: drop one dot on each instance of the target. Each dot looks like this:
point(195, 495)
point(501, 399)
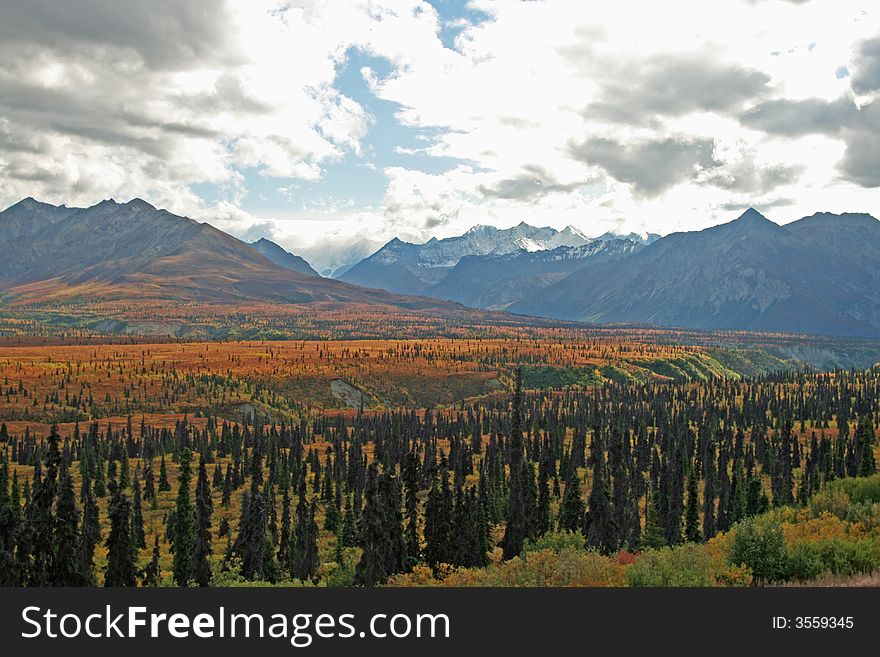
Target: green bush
point(849, 557)
point(842, 496)
point(683, 565)
point(805, 562)
point(759, 544)
point(555, 541)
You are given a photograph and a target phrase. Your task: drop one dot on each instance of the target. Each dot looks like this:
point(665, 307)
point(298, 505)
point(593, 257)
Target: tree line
point(627, 466)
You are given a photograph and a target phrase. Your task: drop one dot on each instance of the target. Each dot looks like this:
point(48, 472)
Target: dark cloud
point(534, 183)
point(866, 77)
point(795, 118)
point(650, 166)
point(760, 207)
point(858, 127)
point(673, 86)
point(749, 178)
point(162, 33)
point(861, 163)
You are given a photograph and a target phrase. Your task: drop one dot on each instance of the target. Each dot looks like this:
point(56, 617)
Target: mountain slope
point(747, 274)
point(276, 253)
point(497, 281)
point(133, 251)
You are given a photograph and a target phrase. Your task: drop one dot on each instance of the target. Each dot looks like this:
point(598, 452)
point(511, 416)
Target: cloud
point(793, 118)
point(159, 34)
point(651, 166)
point(857, 127)
point(674, 85)
point(861, 161)
point(532, 184)
point(866, 78)
point(128, 98)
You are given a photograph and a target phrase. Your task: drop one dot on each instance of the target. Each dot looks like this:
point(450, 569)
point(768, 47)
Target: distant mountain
point(282, 258)
point(414, 268)
point(133, 251)
point(332, 258)
point(497, 281)
point(820, 274)
point(639, 238)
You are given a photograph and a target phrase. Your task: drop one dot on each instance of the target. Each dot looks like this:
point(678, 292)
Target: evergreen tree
point(709, 489)
point(599, 523)
point(867, 462)
point(41, 520)
point(201, 557)
point(516, 529)
point(184, 523)
point(152, 572)
point(381, 530)
point(652, 537)
point(120, 569)
point(284, 546)
point(251, 544)
point(164, 486)
point(66, 568)
point(411, 488)
point(692, 532)
point(438, 521)
point(571, 511)
point(304, 562)
point(91, 530)
point(139, 538)
point(150, 485)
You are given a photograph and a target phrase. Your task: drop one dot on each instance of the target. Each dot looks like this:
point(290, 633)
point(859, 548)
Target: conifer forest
point(593, 462)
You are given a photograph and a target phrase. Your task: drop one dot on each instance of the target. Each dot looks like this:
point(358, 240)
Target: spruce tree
point(251, 544)
point(652, 537)
point(150, 485)
point(41, 520)
point(284, 544)
point(120, 569)
point(66, 568)
point(516, 529)
point(709, 489)
point(139, 538)
point(304, 561)
point(411, 488)
point(867, 463)
point(571, 511)
point(381, 530)
point(184, 523)
point(151, 574)
point(164, 486)
point(438, 521)
point(91, 530)
point(599, 523)
point(201, 557)
point(692, 532)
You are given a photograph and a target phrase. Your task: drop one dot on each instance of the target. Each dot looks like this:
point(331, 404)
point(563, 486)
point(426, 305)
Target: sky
point(319, 123)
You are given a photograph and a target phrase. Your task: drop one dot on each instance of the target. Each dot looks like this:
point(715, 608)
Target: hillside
point(498, 281)
point(817, 275)
point(135, 252)
point(283, 258)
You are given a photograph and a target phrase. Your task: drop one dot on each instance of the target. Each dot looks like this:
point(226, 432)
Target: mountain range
point(421, 268)
point(133, 251)
point(820, 274)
